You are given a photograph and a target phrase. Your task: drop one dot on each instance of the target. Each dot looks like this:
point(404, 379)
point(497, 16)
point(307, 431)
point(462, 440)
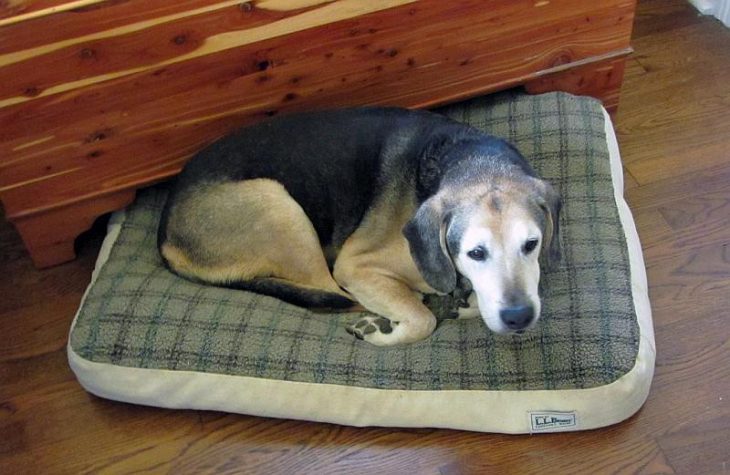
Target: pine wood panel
point(14, 11)
point(41, 26)
point(602, 81)
point(50, 425)
point(104, 102)
point(50, 236)
point(165, 40)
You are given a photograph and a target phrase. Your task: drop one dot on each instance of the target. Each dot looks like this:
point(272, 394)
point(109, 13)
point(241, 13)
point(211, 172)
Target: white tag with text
point(553, 421)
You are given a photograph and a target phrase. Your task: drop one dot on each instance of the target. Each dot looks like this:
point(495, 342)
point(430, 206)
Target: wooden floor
point(674, 131)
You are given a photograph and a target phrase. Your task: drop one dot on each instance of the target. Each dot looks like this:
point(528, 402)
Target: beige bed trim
point(487, 411)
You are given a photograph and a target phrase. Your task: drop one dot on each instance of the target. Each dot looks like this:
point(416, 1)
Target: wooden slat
point(18, 11)
point(602, 82)
point(102, 16)
point(53, 234)
point(160, 42)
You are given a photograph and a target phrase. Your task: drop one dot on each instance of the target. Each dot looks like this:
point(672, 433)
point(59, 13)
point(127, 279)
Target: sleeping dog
point(376, 206)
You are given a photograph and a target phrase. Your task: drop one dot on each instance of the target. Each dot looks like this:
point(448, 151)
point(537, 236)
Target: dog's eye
point(478, 254)
point(530, 245)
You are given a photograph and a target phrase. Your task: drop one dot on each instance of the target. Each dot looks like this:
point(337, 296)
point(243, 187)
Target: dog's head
point(491, 232)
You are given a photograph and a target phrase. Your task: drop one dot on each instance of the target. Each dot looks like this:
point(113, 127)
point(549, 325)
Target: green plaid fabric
point(138, 314)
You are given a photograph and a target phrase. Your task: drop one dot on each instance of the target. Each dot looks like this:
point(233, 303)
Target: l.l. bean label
point(553, 421)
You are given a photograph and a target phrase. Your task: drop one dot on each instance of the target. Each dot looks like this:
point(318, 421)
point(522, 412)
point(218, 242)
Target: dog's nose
point(517, 318)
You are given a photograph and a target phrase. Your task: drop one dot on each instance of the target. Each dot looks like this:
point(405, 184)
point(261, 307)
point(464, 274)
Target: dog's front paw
point(373, 329)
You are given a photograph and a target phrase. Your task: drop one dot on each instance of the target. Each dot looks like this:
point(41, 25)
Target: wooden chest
point(101, 97)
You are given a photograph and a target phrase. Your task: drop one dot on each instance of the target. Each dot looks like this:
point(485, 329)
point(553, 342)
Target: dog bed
point(145, 336)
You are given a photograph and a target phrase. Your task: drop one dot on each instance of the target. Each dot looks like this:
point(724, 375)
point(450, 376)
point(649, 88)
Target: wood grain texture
point(50, 425)
point(53, 232)
point(112, 98)
point(106, 15)
point(16, 11)
point(600, 80)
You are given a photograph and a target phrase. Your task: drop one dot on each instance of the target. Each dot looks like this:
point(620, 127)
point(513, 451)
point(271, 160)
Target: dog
point(375, 206)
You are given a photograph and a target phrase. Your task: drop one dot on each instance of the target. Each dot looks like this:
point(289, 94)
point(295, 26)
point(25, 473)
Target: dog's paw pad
point(369, 325)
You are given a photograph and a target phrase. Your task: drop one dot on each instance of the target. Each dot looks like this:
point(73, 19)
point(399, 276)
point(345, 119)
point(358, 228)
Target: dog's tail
point(292, 293)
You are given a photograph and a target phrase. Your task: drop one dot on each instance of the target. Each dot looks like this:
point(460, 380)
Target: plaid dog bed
point(139, 320)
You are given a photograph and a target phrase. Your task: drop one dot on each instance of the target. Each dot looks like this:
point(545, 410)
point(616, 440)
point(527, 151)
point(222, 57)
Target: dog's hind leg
point(249, 234)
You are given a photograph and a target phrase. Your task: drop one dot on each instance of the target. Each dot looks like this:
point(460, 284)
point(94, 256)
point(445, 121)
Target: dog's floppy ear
point(426, 235)
point(550, 202)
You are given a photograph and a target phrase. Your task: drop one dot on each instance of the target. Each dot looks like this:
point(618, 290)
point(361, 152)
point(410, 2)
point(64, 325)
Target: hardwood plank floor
point(674, 130)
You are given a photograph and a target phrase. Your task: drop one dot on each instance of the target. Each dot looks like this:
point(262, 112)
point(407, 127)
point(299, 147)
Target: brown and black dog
point(370, 205)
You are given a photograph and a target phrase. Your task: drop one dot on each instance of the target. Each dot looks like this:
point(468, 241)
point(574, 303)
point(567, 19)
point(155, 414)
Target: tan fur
point(376, 267)
point(278, 239)
point(499, 219)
